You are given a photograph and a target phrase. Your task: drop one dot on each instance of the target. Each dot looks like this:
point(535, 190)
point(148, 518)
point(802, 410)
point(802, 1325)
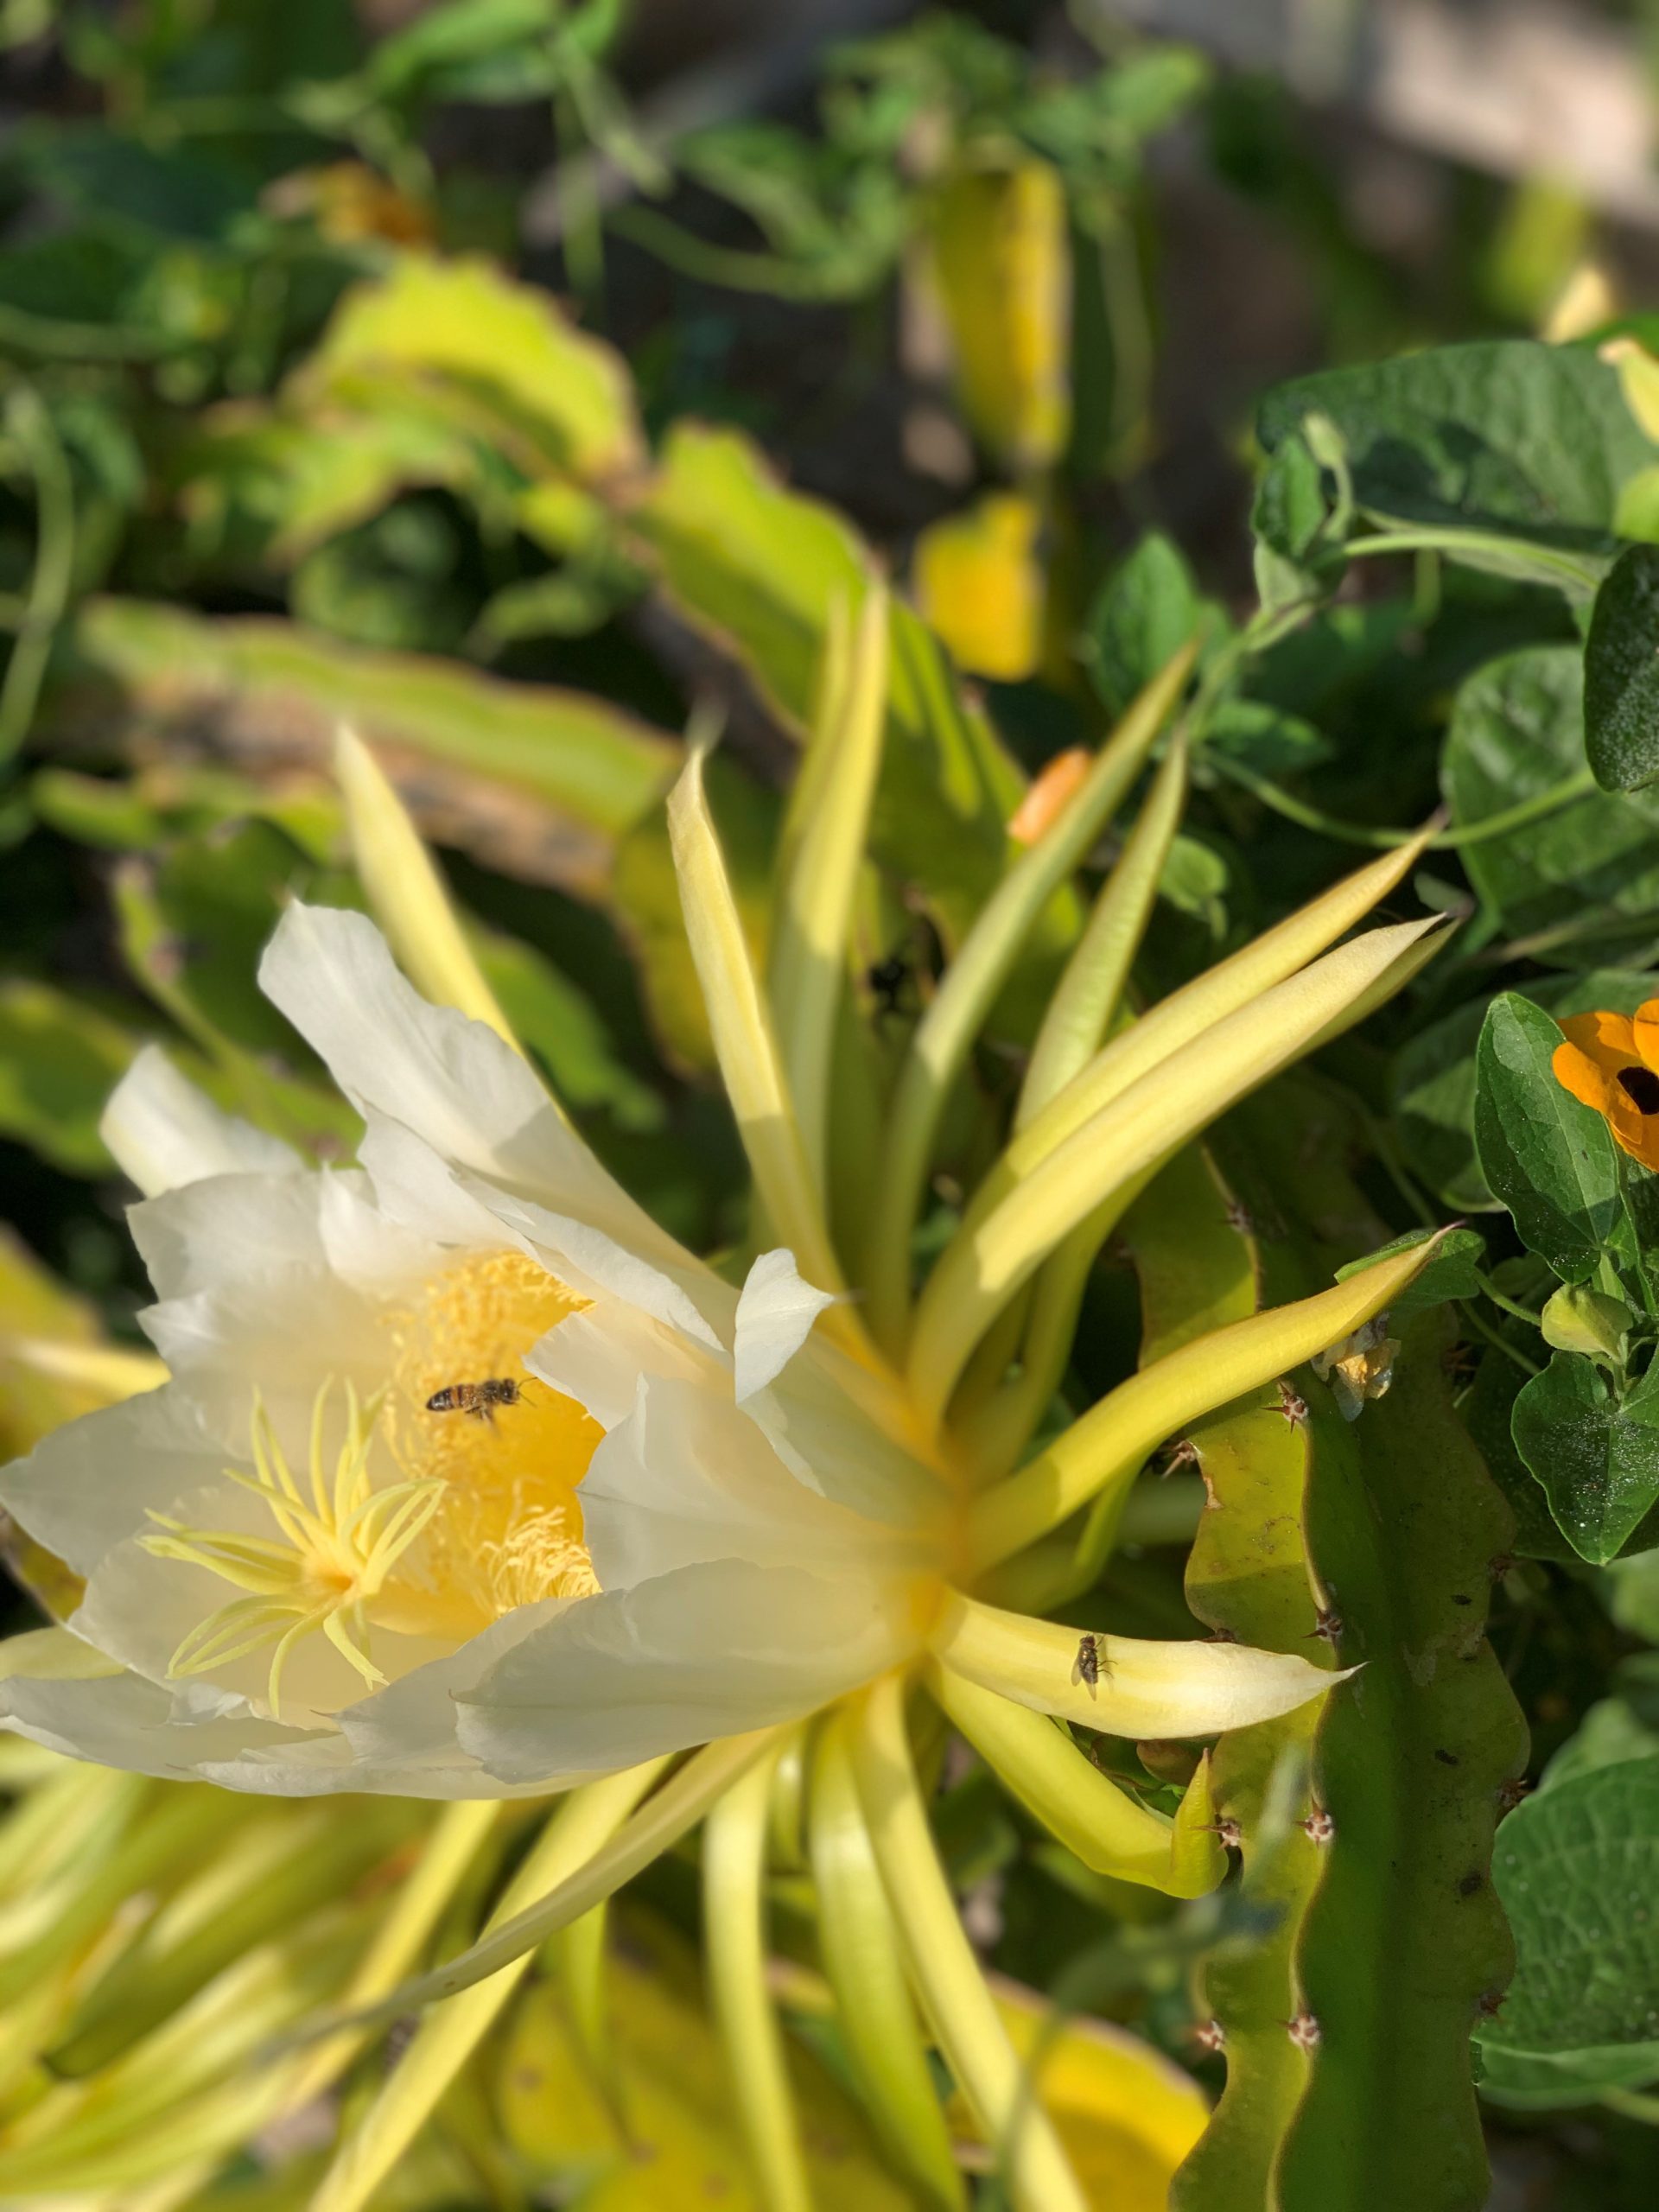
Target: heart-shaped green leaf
point(1596, 1459)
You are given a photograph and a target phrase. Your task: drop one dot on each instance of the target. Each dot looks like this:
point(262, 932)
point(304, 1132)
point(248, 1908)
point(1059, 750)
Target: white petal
point(53, 1654)
point(139, 1608)
point(707, 1651)
point(247, 1229)
point(275, 1283)
point(451, 1080)
point(599, 1357)
point(411, 1724)
point(90, 1484)
point(775, 1315)
point(833, 1445)
point(164, 1133)
point(126, 1722)
point(417, 1186)
point(224, 1344)
point(685, 1478)
point(590, 1260)
point(122, 1721)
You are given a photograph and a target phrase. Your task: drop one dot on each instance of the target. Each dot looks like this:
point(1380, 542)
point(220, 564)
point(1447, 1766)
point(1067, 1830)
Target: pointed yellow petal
point(1088, 993)
point(1193, 1011)
point(105, 1370)
point(446, 2039)
point(456, 1837)
point(661, 1822)
point(744, 1043)
point(1108, 1444)
point(986, 1261)
point(945, 1035)
point(860, 1942)
point(1143, 1690)
point(1030, 2164)
point(734, 1939)
point(407, 892)
point(815, 906)
point(1097, 1822)
point(1394, 979)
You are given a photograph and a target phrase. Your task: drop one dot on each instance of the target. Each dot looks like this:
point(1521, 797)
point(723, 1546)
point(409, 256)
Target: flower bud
point(1578, 1318)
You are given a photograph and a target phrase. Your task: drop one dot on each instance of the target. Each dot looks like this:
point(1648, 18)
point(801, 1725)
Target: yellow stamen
point(329, 1562)
point(483, 1519)
point(509, 1530)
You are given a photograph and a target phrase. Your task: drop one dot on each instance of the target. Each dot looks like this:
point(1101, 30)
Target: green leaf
point(1454, 1271)
point(1621, 674)
point(1577, 1869)
point(286, 483)
point(1550, 1160)
point(60, 1059)
point(1195, 879)
point(1506, 436)
point(575, 770)
point(1300, 515)
point(496, 357)
point(1290, 508)
point(1265, 738)
point(1596, 1459)
point(756, 568)
point(1536, 2081)
point(1404, 1935)
point(1487, 1410)
point(434, 53)
point(1633, 1600)
point(166, 800)
point(1142, 615)
point(396, 581)
point(1612, 1731)
point(1518, 731)
point(1432, 1083)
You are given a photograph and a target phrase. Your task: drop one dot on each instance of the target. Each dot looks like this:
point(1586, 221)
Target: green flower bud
point(1578, 1318)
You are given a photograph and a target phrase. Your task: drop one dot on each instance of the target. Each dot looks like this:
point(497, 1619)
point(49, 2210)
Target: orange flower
point(1610, 1062)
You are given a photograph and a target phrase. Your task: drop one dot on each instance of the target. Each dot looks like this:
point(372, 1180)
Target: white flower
point(694, 1516)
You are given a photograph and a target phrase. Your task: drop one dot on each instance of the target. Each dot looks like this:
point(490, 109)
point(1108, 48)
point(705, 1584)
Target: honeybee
point(1090, 1662)
point(478, 1401)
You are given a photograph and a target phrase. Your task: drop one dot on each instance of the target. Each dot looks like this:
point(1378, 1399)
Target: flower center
point(479, 1514)
point(1641, 1086)
point(337, 1540)
point(510, 1451)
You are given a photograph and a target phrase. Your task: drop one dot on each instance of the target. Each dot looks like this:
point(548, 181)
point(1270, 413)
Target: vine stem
point(1566, 569)
point(1633, 2105)
point(31, 427)
point(1479, 1322)
point(1508, 1305)
point(1536, 809)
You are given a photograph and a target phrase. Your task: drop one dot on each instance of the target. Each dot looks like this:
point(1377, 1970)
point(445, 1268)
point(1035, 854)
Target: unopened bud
point(1578, 1318)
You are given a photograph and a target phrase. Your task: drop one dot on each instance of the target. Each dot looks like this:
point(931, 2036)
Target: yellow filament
point(330, 1559)
point(481, 1515)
